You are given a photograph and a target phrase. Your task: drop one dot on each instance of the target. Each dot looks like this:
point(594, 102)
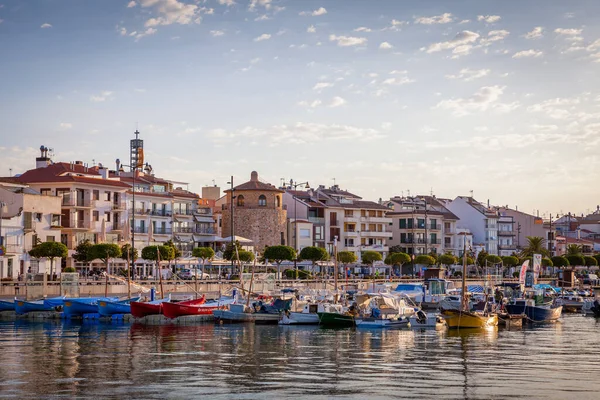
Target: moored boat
point(141, 309)
point(533, 312)
point(309, 314)
point(24, 307)
point(191, 307)
point(6, 305)
point(467, 319)
point(430, 321)
point(258, 313)
point(75, 307)
point(374, 322)
point(107, 308)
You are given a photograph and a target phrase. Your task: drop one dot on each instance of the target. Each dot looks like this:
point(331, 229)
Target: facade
point(507, 244)
point(258, 213)
point(421, 225)
point(28, 219)
point(479, 219)
point(524, 225)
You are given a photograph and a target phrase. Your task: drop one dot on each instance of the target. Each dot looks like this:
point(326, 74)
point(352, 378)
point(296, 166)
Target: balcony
point(317, 220)
point(449, 231)
point(160, 213)
point(511, 247)
point(204, 231)
point(72, 201)
point(351, 233)
point(140, 229)
point(435, 227)
point(351, 218)
point(385, 234)
point(117, 226)
point(77, 224)
point(178, 211)
point(381, 220)
point(13, 248)
point(183, 229)
point(162, 231)
point(507, 233)
point(421, 241)
point(118, 206)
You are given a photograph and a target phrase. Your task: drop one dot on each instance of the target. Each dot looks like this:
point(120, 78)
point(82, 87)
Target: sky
point(382, 97)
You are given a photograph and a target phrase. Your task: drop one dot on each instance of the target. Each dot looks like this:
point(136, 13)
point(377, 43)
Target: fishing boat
point(258, 313)
point(75, 307)
point(191, 307)
point(464, 317)
point(55, 301)
point(533, 312)
point(309, 314)
point(24, 307)
point(382, 311)
point(6, 305)
point(421, 320)
point(337, 319)
point(571, 302)
point(140, 309)
point(107, 308)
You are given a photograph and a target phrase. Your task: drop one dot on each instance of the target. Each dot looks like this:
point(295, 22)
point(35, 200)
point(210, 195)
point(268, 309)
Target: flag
point(537, 266)
point(524, 268)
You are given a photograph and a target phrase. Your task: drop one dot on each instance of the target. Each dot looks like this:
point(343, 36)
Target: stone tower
point(258, 213)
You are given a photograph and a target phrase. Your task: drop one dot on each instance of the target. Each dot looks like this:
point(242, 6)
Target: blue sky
point(384, 96)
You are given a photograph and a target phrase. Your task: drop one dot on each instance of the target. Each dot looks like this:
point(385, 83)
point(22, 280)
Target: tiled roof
point(332, 192)
point(255, 184)
point(367, 205)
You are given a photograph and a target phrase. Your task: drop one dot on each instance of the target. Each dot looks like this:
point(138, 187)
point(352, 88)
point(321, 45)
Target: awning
point(236, 238)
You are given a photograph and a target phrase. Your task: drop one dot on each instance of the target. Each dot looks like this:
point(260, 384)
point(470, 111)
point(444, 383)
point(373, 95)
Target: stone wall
point(264, 226)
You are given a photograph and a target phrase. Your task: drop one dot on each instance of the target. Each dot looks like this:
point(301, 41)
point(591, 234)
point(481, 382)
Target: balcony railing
point(156, 213)
point(316, 220)
point(208, 231)
point(435, 227)
point(162, 231)
point(140, 229)
point(183, 229)
point(13, 248)
point(117, 226)
point(178, 211)
point(77, 224)
point(118, 206)
point(507, 233)
point(72, 201)
point(421, 241)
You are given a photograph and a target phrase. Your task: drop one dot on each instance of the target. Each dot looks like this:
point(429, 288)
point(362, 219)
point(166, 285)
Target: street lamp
point(3, 209)
point(295, 185)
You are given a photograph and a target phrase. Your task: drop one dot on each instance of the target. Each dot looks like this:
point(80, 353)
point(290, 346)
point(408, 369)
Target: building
point(27, 218)
point(421, 225)
point(479, 219)
point(523, 225)
point(507, 243)
point(258, 213)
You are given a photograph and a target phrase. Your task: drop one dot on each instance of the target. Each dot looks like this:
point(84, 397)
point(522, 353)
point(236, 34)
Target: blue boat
point(533, 312)
point(24, 307)
point(6, 305)
point(107, 307)
point(83, 305)
point(54, 301)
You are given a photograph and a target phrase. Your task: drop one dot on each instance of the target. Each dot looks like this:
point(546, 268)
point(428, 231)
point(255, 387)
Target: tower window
point(240, 201)
point(262, 200)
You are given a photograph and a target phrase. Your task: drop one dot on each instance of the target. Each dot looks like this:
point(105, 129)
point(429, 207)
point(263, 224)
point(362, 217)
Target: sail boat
point(464, 318)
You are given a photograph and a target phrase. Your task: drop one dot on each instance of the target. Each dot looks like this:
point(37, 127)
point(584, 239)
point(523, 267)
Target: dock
point(122, 318)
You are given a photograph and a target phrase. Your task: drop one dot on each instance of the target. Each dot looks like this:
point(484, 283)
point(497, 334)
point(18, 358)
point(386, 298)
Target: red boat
point(174, 310)
point(140, 309)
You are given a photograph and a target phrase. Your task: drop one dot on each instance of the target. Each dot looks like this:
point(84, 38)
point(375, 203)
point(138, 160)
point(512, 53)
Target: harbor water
point(94, 360)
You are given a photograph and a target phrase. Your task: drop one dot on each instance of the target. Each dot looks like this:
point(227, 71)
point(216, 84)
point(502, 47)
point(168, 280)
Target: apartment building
point(27, 219)
point(507, 244)
point(421, 225)
point(480, 219)
point(523, 225)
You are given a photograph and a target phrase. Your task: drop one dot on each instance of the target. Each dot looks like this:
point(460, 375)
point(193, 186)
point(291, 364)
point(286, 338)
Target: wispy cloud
point(319, 11)
point(345, 41)
point(467, 74)
point(531, 53)
point(535, 33)
point(45, 26)
point(490, 19)
point(486, 98)
point(103, 96)
point(438, 19)
point(457, 44)
point(385, 46)
point(264, 36)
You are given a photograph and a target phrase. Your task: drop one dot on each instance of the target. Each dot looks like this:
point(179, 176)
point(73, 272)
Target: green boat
point(335, 320)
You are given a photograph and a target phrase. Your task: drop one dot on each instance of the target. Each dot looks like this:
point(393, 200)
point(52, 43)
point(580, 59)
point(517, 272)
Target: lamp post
point(3, 209)
point(295, 185)
point(134, 169)
point(550, 238)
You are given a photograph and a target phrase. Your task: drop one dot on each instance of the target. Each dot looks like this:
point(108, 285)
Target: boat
point(336, 319)
point(6, 305)
point(510, 320)
point(140, 309)
point(382, 311)
point(24, 307)
point(55, 302)
point(75, 307)
point(107, 308)
point(308, 315)
point(421, 320)
point(191, 307)
point(258, 313)
point(463, 317)
point(571, 302)
point(533, 312)
point(591, 308)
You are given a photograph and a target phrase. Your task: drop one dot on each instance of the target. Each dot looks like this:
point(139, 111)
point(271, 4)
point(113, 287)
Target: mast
point(128, 276)
point(162, 294)
point(464, 275)
point(335, 268)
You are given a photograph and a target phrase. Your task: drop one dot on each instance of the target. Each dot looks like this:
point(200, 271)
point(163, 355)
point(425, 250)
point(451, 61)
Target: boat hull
point(78, 307)
point(24, 307)
point(298, 318)
point(335, 320)
point(535, 313)
point(7, 305)
point(469, 320)
point(192, 307)
point(257, 318)
point(429, 322)
point(384, 323)
point(140, 310)
point(107, 308)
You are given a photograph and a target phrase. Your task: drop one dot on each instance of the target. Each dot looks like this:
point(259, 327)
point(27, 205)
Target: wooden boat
point(75, 307)
point(533, 312)
point(421, 320)
point(510, 320)
point(6, 305)
point(107, 308)
point(55, 301)
point(258, 313)
point(191, 307)
point(372, 322)
point(336, 320)
point(467, 319)
point(140, 309)
point(24, 307)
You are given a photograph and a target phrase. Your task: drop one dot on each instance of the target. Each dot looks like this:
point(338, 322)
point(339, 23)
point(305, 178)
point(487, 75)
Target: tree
point(447, 259)
point(510, 261)
point(82, 251)
point(481, 258)
point(575, 260)
point(396, 249)
point(597, 257)
point(560, 261)
point(346, 257)
point(370, 257)
point(424, 259)
point(492, 259)
point(397, 259)
point(203, 253)
point(313, 254)
point(246, 256)
point(230, 250)
point(176, 251)
point(133, 253)
point(153, 252)
point(50, 250)
point(535, 245)
point(590, 261)
point(278, 254)
point(434, 255)
point(104, 252)
point(547, 262)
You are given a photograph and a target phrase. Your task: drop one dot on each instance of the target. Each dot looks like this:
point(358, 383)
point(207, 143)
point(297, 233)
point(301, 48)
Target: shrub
point(69, 269)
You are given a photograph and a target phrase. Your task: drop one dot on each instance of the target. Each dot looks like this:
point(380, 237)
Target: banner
point(524, 268)
point(537, 266)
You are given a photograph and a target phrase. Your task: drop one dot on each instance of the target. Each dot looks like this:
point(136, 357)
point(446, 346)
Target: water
point(54, 359)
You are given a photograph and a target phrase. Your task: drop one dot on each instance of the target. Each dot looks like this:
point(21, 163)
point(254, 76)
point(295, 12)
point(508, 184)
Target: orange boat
point(141, 309)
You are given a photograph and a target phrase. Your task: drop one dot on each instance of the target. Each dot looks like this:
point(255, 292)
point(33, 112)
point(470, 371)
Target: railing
point(162, 231)
point(117, 226)
point(507, 233)
point(507, 247)
point(203, 212)
point(70, 201)
point(13, 248)
point(140, 229)
point(421, 241)
point(77, 224)
point(118, 206)
point(204, 230)
point(179, 211)
point(435, 227)
point(157, 213)
point(183, 229)
point(316, 220)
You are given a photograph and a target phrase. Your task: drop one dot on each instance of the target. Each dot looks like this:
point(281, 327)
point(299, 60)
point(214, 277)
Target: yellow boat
point(466, 319)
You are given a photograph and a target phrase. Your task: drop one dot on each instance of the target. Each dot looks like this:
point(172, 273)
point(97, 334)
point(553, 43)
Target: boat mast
point(464, 275)
point(162, 294)
point(335, 268)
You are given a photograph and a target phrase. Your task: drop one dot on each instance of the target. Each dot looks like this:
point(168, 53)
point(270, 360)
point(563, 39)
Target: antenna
point(214, 183)
point(431, 191)
point(10, 172)
point(471, 193)
point(408, 192)
point(333, 181)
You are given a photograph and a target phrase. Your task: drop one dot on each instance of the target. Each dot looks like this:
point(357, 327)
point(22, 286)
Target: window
point(277, 201)
point(107, 217)
point(96, 195)
point(34, 241)
point(402, 223)
point(262, 200)
point(50, 239)
point(420, 223)
point(319, 230)
point(348, 213)
point(95, 216)
point(410, 223)
point(107, 196)
point(240, 201)
point(38, 217)
point(46, 192)
point(304, 233)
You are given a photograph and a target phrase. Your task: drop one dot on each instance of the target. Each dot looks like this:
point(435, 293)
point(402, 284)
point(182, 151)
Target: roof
point(369, 205)
point(255, 184)
point(66, 172)
point(334, 190)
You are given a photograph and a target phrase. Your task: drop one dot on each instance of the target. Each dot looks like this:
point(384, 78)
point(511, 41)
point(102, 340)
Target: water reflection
point(92, 360)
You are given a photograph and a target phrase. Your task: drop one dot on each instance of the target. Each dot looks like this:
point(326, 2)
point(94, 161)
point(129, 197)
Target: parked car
point(188, 274)
point(591, 279)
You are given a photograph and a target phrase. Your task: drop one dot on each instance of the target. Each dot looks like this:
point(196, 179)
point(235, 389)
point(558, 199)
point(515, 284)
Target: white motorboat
point(382, 310)
point(372, 322)
point(308, 315)
point(430, 321)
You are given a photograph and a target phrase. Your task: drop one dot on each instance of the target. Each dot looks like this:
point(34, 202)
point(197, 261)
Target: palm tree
point(573, 250)
point(535, 245)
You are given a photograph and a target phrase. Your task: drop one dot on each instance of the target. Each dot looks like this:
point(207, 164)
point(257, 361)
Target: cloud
point(311, 29)
point(467, 74)
point(362, 29)
point(398, 81)
point(46, 25)
point(536, 33)
point(259, 3)
point(528, 53)
point(65, 125)
point(484, 99)
point(494, 36)
point(264, 36)
point(438, 19)
point(263, 17)
point(336, 102)
point(385, 46)
point(490, 19)
point(345, 41)
point(312, 104)
point(217, 33)
point(147, 32)
point(122, 31)
point(103, 96)
point(315, 13)
point(463, 38)
point(171, 12)
point(300, 133)
point(131, 4)
point(322, 85)
point(568, 32)
point(227, 3)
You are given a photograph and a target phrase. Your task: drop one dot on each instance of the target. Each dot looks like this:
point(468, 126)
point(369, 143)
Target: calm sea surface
point(98, 360)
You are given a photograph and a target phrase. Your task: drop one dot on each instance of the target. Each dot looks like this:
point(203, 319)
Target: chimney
point(43, 160)
point(103, 171)
point(118, 163)
point(254, 176)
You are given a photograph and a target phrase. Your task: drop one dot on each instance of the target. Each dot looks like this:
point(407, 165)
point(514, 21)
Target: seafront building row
point(71, 202)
